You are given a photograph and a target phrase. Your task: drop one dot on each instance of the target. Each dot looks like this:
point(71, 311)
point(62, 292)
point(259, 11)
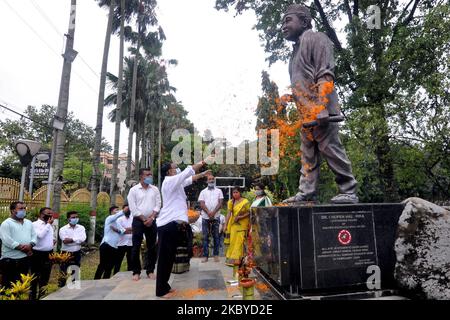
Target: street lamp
point(26, 149)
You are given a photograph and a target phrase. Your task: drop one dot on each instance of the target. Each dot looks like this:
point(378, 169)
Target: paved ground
point(204, 281)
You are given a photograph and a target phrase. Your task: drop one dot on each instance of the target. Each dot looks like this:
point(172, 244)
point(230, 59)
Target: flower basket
point(193, 216)
point(247, 282)
point(197, 251)
point(248, 288)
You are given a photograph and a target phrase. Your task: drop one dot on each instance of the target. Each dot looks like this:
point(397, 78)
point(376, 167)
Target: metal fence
point(9, 192)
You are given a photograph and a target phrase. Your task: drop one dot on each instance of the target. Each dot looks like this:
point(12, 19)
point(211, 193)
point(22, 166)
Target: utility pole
point(81, 175)
point(59, 137)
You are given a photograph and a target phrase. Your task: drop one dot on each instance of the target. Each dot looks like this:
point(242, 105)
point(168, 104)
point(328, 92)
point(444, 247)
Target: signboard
point(41, 166)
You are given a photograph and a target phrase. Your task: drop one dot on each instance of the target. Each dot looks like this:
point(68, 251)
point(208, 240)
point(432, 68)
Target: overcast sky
point(218, 76)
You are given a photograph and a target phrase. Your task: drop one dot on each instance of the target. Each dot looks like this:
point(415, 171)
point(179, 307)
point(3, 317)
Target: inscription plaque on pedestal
point(343, 240)
point(325, 248)
point(346, 240)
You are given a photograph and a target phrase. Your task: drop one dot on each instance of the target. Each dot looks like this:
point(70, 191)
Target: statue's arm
point(323, 60)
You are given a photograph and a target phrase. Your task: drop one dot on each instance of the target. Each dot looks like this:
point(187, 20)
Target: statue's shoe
point(299, 198)
point(345, 198)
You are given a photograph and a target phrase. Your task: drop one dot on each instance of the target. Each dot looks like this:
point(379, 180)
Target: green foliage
point(79, 144)
point(19, 290)
point(250, 196)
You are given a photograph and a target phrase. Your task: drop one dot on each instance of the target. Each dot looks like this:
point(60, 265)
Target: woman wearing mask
point(261, 200)
point(236, 225)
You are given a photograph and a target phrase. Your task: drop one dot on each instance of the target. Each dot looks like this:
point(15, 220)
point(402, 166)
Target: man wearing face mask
point(72, 236)
point(125, 244)
point(211, 200)
point(108, 247)
point(40, 261)
point(18, 238)
point(173, 215)
point(144, 201)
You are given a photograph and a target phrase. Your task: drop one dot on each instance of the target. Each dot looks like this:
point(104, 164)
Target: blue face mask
point(21, 214)
point(74, 221)
point(148, 180)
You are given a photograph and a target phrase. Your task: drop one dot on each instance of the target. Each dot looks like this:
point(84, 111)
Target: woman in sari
point(261, 200)
point(254, 241)
point(236, 225)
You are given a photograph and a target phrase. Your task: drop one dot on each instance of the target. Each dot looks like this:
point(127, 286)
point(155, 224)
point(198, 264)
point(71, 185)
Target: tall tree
point(96, 175)
point(123, 12)
point(115, 168)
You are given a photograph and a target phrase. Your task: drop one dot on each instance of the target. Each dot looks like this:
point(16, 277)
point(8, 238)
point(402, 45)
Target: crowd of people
point(27, 246)
point(159, 217)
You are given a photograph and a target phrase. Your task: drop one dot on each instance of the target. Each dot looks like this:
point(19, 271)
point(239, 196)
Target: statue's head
point(296, 20)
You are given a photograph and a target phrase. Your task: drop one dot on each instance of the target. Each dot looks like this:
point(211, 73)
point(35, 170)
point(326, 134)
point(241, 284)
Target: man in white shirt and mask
point(72, 236)
point(125, 244)
point(211, 200)
point(41, 265)
point(144, 201)
point(173, 213)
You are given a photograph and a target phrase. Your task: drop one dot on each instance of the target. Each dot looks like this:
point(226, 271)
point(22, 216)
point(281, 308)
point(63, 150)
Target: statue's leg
point(309, 173)
point(333, 151)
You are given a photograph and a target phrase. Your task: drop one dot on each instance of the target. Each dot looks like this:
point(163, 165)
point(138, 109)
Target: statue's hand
point(323, 118)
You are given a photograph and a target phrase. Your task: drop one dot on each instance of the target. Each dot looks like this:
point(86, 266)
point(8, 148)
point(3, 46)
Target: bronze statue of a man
point(311, 69)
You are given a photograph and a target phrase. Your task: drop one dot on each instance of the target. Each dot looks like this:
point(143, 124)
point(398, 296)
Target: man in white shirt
point(211, 200)
point(173, 213)
point(108, 246)
point(125, 243)
point(41, 265)
point(72, 236)
point(144, 201)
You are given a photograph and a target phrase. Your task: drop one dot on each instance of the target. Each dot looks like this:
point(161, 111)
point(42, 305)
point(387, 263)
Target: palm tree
point(115, 168)
point(123, 12)
point(98, 129)
point(146, 17)
point(155, 100)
